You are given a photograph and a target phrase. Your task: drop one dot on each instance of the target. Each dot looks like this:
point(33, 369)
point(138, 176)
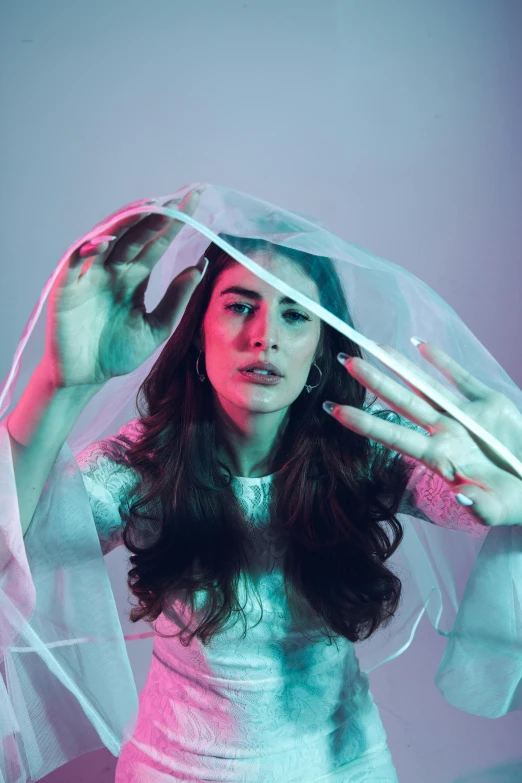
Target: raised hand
point(97, 324)
point(494, 493)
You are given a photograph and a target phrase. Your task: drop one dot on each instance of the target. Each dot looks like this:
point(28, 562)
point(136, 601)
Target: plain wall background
point(396, 121)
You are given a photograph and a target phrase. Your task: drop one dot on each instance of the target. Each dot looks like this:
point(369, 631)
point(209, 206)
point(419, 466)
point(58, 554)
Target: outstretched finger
point(133, 205)
point(96, 246)
point(402, 401)
point(175, 299)
point(394, 436)
point(463, 380)
point(100, 245)
point(414, 368)
point(156, 247)
point(485, 506)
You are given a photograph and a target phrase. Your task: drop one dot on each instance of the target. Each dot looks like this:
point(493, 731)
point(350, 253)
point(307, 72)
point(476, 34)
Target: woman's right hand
point(97, 325)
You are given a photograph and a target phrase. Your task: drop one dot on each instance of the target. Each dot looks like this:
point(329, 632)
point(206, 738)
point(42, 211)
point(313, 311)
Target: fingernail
point(202, 265)
point(343, 357)
point(416, 341)
point(92, 244)
point(463, 500)
point(329, 406)
point(103, 238)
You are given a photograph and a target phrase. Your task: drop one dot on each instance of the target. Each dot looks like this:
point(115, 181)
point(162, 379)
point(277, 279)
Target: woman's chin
point(258, 400)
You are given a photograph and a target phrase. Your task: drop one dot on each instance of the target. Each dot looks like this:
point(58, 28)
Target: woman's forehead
point(277, 264)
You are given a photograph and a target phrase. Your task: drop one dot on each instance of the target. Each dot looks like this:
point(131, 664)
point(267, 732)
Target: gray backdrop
point(396, 121)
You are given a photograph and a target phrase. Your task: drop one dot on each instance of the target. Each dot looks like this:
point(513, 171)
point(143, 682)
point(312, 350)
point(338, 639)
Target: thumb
point(176, 297)
point(485, 506)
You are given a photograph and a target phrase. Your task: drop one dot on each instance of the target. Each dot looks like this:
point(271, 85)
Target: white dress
point(271, 707)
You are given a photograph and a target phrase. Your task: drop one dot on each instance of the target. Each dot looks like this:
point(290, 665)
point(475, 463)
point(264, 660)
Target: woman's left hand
point(472, 469)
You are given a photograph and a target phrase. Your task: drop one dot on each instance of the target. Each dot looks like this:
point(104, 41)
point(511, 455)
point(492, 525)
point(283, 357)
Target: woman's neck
point(249, 442)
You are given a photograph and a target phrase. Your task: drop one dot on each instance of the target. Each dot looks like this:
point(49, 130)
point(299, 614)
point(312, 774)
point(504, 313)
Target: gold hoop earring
point(201, 376)
point(307, 386)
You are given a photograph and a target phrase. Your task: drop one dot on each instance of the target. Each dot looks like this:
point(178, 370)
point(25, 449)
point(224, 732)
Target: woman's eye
point(234, 305)
point(299, 316)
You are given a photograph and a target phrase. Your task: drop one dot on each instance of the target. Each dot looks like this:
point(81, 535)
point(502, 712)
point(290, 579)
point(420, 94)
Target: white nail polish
point(202, 265)
point(463, 500)
point(102, 239)
point(93, 244)
point(416, 341)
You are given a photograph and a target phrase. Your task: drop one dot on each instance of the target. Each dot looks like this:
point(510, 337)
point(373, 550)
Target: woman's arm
point(38, 427)
point(429, 497)
point(108, 484)
point(487, 479)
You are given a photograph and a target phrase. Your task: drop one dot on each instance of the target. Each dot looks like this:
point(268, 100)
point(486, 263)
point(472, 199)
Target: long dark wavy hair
point(333, 498)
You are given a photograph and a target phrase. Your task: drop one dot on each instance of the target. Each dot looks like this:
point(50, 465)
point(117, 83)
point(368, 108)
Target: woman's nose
point(265, 328)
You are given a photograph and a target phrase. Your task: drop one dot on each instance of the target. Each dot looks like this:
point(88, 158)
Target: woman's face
point(255, 324)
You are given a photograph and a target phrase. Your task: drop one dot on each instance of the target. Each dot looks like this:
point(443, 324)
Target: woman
point(232, 484)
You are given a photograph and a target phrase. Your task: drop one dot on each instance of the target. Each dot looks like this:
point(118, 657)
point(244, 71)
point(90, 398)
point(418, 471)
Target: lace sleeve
point(427, 495)
point(108, 484)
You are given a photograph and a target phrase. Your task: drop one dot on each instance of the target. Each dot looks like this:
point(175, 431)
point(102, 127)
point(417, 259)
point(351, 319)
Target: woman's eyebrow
point(235, 289)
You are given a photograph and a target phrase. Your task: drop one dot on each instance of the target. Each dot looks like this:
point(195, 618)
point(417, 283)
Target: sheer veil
point(67, 648)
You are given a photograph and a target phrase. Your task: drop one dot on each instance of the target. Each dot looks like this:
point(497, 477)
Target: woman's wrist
point(43, 399)
point(48, 378)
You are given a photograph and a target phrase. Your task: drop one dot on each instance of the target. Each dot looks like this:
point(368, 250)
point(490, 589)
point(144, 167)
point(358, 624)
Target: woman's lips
point(265, 380)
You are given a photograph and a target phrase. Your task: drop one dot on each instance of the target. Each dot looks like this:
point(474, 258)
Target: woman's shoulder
point(103, 462)
point(109, 481)
point(115, 444)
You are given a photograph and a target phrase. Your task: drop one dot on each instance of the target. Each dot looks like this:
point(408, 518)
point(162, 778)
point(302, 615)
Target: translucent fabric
point(67, 649)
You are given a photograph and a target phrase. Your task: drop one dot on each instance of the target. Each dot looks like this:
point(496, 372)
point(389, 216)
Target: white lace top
point(270, 707)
